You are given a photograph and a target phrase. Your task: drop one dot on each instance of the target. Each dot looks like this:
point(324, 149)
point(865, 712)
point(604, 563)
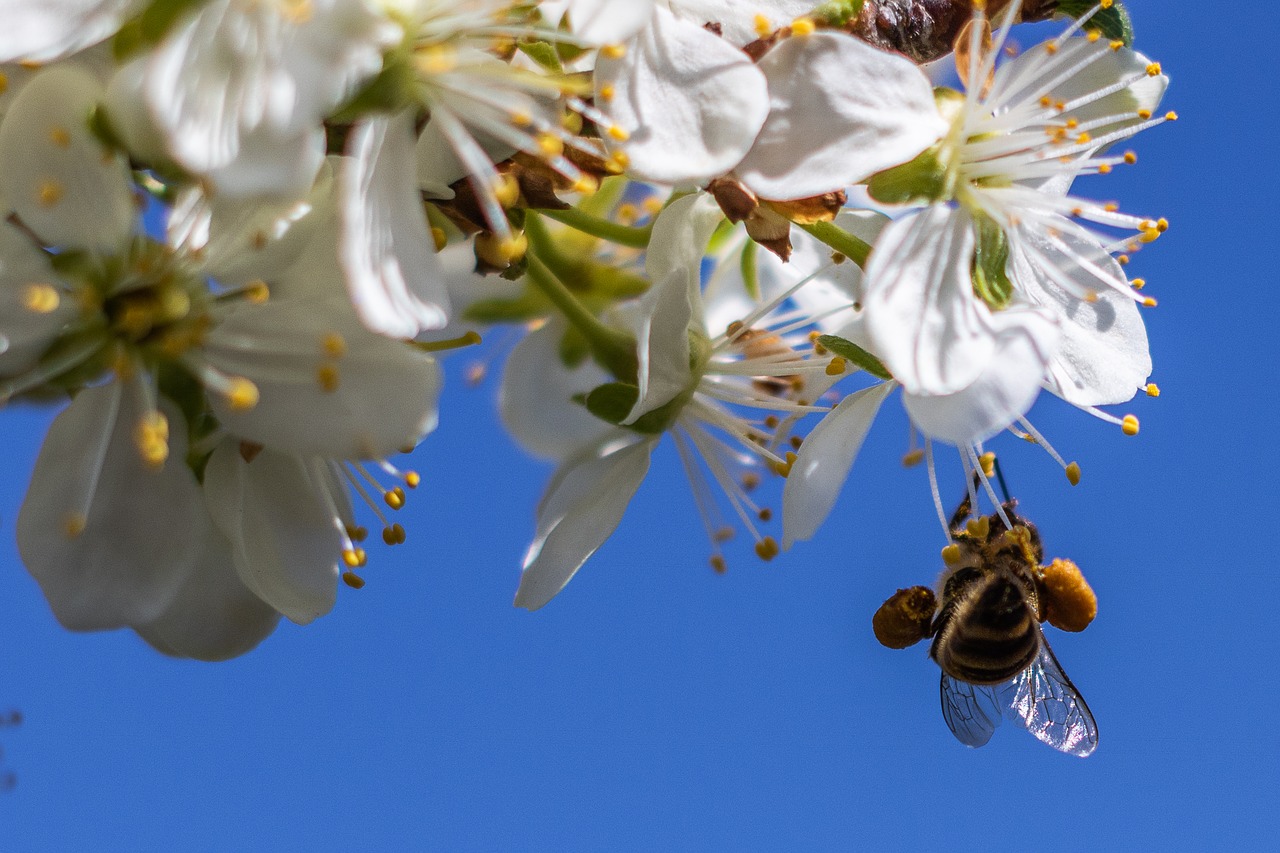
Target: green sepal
point(543, 53)
point(922, 180)
point(1114, 23)
point(187, 393)
point(150, 27)
point(991, 281)
point(750, 270)
point(391, 90)
point(613, 401)
point(855, 354)
point(836, 13)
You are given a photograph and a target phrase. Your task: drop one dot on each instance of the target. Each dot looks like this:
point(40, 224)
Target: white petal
point(927, 325)
point(679, 240)
point(606, 21)
point(26, 334)
point(823, 462)
point(57, 176)
point(582, 507)
point(691, 102)
point(392, 272)
point(536, 396)
point(1025, 339)
point(214, 616)
point(132, 554)
point(1031, 76)
point(662, 342)
point(1103, 357)
point(382, 400)
point(737, 20)
point(44, 30)
point(840, 111)
point(282, 534)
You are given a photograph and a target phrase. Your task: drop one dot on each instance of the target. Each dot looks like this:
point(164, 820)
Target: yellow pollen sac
point(1104, 168)
point(550, 144)
point(618, 134)
point(1152, 389)
point(1083, 139)
point(327, 378)
point(784, 469)
point(49, 192)
point(803, 27)
point(440, 238)
point(353, 580)
point(1171, 116)
point(1144, 114)
point(1130, 158)
point(74, 524)
point(393, 535)
point(1051, 48)
point(521, 119)
point(151, 437)
point(1149, 302)
point(613, 51)
point(1153, 70)
point(257, 292)
point(334, 345)
point(618, 161)
point(587, 185)
point(765, 514)
point(1091, 297)
point(836, 366)
point(1162, 225)
point(356, 532)
point(607, 92)
point(974, 527)
point(242, 395)
point(913, 458)
point(1107, 4)
point(1122, 259)
point(718, 564)
point(762, 25)
point(1073, 473)
point(41, 298)
point(1046, 102)
point(1111, 207)
point(951, 554)
point(437, 59)
point(767, 548)
point(988, 463)
point(412, 479)
point(60, 137)
point(1116, 45)
point(1093, 35)
point(394, 498)
point(1129, 426)
point(351, 557)
point(506, 191)
point(4, 82)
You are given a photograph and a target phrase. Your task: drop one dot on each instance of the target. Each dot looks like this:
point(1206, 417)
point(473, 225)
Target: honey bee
point(987, 639)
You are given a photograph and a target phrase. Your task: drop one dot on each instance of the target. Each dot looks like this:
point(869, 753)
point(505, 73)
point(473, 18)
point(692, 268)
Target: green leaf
point(836, 13)
point(1114, 23)
point(855, 354)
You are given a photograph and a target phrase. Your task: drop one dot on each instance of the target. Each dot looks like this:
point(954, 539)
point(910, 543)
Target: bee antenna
point(1004, 488)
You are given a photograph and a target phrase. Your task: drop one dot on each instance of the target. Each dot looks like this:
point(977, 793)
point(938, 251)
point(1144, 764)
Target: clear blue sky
point(654, 705)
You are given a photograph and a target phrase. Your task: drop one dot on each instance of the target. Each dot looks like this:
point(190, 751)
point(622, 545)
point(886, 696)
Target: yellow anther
point(988, 463)
point(550, 144)
point(1073, 473)
point(803, 27)
point(327, 378)
point(151, 437)
point(1152, 389)
point(619, 161)
point(351, 557)
point(618, 133)
point(718, 564)
point(393, 535)
point(1150, 302)
point(1083, 139)
point(1104, 168)
point(436, 59)
point(951, 554)
point(41, 298)
point(913, 458)
point(1051, 48)
point(257, 292)
point(353, 580)
point(1122, 260)
point(586, 184)
point(652, 205)
point(242, 394)
point(1129, 425)
point(1093, 35)
point(60, 137)
point(836, 366)
point(607, 92)
point(1153, 70)
point(74, 524)
point(506, 190)
point(1091, 296)
point(1130, 158)
point(521, 119)
point(978, 527)
point(1171, 116)
point(765, 514)
point(762, 25)
point(724, 534)
point(613, 51)
point(394, 498)
point(1046, 101)
point(1107, 4)
point(412, 479)
point(334, 345)
point(439, 238)
point(1111, 207)
point(49, 192)
point(784, 468)
point(4, 82)
point(1162, 225)
point(767, 548)
point(1144, 114)
point(1116, 44)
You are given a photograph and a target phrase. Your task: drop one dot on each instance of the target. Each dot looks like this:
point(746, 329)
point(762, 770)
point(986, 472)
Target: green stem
point(468, 339)
point(623, 235)
point(840, 240)
point(613, 349)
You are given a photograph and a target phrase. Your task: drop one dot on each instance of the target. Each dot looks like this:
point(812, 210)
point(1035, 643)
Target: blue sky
point(657, 705)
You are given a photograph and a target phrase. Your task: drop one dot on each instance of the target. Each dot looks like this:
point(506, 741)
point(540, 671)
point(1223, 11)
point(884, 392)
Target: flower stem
point(624, 235)
point(840, 240)
point(466, 340)
point(613, 349)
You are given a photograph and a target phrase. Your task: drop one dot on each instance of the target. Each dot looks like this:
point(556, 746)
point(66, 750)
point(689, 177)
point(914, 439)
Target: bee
point(986, 634)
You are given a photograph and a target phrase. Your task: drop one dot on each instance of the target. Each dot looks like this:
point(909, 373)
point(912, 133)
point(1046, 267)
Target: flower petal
point(1026, 339)
point(45, 30)
point(603, 21)
point(101, 532)
point(27, 332)
point(392, 272)
point(823, 462)
point(690, 102)
point(58, 177)
point(283, 540)
point(840, 111)
point(662, 343)
point(582, 507)
point(927, 325)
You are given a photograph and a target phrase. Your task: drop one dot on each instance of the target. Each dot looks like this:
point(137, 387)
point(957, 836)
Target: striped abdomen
point(987, 631)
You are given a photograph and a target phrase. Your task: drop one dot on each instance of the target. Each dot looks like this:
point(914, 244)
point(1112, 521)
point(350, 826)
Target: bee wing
point(971, 711)
point(1043, 700)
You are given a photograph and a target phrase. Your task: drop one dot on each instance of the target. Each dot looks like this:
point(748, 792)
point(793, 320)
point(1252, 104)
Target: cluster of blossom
point(239, 233)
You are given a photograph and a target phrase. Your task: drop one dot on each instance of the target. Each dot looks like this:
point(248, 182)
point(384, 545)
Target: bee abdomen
point(990, 635)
